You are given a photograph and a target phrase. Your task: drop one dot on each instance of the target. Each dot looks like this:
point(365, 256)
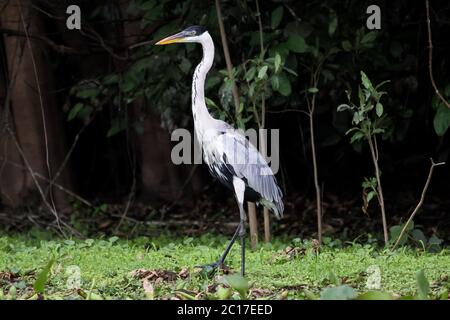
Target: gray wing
point(246, 162)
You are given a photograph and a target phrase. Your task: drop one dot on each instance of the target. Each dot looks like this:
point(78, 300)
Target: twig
point(430, 57)
point(30, 170)
point(226, 53)
point(43, 178)
point(131, 195)
point(380, 197)
point(289, 110)
point(311, 109)
point(266, 215)
point(54, 46)
point(69, 153)
point(105, 46)
point(315, 168)
point(261, 35)
point(183, 187)
point(419, 205)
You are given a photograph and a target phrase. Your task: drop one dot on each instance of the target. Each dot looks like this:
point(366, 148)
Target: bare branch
point(43, 178)
point(374, 152)
point(430, 57)
point(226, 53)
point(419, 205)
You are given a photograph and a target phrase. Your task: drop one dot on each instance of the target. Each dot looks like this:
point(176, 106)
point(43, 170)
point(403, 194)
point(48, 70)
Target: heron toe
point(211, 269)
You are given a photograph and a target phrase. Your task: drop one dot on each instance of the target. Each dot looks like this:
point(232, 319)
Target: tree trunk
point(30, 112)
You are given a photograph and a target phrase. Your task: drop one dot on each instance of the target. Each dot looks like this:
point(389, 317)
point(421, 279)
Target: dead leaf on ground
point(159, 276)
point(259, 293)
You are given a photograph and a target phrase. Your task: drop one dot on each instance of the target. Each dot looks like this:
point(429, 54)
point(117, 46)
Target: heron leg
point(239, 189)
point(211, 268)
point(242, 235)
point(230, 244)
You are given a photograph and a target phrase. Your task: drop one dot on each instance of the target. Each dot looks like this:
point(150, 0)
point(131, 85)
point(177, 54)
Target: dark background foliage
point(126, 102)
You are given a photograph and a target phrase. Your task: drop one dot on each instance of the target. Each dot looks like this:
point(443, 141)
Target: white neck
point(199, 109)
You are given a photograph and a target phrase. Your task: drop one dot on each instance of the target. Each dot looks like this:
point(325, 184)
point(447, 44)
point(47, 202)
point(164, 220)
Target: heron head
point(191, 34)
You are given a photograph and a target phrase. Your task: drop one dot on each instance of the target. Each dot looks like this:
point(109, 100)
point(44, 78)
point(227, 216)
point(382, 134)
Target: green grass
point(274, 272)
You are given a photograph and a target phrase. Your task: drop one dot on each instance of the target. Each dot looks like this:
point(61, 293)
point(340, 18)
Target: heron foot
point(211, 269)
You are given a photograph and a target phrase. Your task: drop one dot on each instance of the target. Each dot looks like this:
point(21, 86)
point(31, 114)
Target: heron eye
point(192, 33)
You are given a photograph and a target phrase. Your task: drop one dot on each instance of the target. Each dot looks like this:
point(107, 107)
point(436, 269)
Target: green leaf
point(212, 81)
point(251, 89)
point(434, 240)
point(128, 83)
point(419, 236)
point(370, 196)
point(368, 38)
point(365, 81)
point(147, 5)
point(111, 79)
point(423, 285)
point(362, 98)
point(379, 109)
point(410, 226)
point(238, 283)
point(290, 71)
point(284, 85)
point(343, 107)
point(113, 239)
point(310, 295)
point(211, 103)
point(378, 130)
point(41, 280)
point(223, 293)
point(277, 16)
point(394, 233)
point(441, 120)
point(250, 74)
point(117, 125)
point(357, 136)
point(346, 45)
point(357, 117)
point(382, 84)
point(85, 112)
point(275, 82)
point(87, 93)
point(277, 62)
point(443, 295)
point(333, 24)
point(375, 295)
point(343, 292)
point(296, 43)
point(313, 90)
point(262, 72)
point(74, 111)
point(434, 244)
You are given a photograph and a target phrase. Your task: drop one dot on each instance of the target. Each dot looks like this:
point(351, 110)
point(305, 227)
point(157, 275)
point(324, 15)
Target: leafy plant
point(343, 292)
point(259, 78)
point(238, 283)
point(423, 286)
point(415, 236)
point(368, 121)
point(41, 280)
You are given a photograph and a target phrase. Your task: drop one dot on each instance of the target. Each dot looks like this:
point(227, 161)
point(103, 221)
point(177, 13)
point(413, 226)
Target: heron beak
point(176, 38)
